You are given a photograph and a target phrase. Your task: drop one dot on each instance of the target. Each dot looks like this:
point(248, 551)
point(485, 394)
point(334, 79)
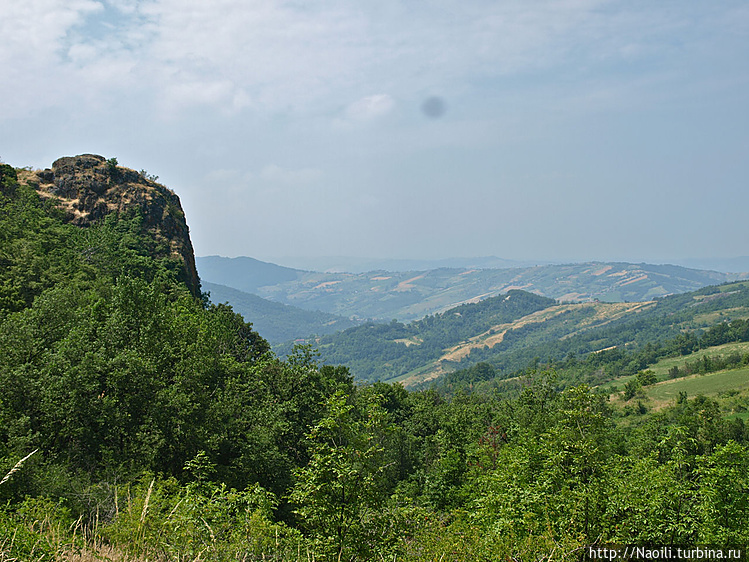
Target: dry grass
point(17, 467)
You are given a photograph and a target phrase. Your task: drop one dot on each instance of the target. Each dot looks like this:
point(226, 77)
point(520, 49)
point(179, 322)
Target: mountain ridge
point(384, 295)
point(426, 350)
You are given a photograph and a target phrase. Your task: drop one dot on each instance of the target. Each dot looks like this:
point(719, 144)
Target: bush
point(162, 518)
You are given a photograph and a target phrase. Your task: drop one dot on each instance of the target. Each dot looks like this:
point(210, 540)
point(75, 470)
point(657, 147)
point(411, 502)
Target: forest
point(138, 421)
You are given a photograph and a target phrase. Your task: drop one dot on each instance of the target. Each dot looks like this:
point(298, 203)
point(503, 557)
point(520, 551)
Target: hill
point(87, 188)
point(275, 321)
point(386, 351)
point(541, 330)
point(245, 274)
point(668, 328)
point(410, 295)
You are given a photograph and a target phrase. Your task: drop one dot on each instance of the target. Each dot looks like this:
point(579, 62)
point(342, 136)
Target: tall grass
point(17, 467)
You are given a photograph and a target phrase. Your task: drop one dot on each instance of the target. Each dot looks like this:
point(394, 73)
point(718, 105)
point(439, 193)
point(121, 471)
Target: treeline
point(709, 364)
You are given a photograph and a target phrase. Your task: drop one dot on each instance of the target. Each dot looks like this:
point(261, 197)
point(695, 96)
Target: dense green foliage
point(165, 429)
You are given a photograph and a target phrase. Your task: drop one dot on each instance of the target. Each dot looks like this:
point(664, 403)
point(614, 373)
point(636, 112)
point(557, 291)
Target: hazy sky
point(559, 129)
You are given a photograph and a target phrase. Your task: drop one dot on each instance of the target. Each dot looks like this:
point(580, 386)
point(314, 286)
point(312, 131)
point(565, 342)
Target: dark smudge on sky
point(433, 107)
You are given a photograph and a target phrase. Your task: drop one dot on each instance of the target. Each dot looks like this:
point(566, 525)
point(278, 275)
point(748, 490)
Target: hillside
point(275, 321)
point(386, 351)
point(244, 274)
point(426, 350)
point(88, 187)
point(410, 295)
point(672, 327)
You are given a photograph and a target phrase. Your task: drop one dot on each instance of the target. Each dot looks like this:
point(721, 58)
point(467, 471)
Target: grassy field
point(710, 384)
point(721, 385)
point(661, 368)
point(736, 313)
point(667, 390)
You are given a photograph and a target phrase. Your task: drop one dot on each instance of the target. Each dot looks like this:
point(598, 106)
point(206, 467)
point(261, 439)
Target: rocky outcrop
point(89, 187)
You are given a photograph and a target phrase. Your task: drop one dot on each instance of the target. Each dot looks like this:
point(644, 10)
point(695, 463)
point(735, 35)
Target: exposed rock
point(89, 187)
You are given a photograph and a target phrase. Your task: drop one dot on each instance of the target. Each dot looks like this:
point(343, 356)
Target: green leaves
point(342, 480)
point(724, 494)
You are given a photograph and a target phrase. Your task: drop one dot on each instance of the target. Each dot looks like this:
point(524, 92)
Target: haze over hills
point(348, 264)
point(729, 265)
point(243, 273)
point(410, 295)
point(275, 321)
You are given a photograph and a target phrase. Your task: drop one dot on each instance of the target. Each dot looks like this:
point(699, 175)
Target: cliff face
point(89, 187)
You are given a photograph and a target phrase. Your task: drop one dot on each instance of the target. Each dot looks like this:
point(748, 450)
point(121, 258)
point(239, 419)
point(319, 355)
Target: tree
point(342, 480)
point(724, 491)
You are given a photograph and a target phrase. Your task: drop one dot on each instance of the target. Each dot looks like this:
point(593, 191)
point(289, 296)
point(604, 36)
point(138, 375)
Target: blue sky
point(572, 129)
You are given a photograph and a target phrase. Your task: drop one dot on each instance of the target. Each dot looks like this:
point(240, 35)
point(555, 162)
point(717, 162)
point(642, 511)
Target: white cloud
point(269, 56)
point(370, 107)
point(364, 110)
point(33, 38)
point(182, 94)
point(33, 32)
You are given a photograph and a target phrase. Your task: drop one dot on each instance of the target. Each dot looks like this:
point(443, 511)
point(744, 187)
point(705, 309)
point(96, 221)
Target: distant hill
point(386, 351)
point(243, 273)
point(410, 295)
point(275, 321)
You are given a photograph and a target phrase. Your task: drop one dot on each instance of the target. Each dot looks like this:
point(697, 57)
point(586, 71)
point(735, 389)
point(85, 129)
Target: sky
point(525, 129)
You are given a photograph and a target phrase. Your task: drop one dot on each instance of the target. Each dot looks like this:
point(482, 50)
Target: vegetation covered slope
point(672, 331)
point(87, 188)
point(546, 331)
point(137, 421)
point(386, 351)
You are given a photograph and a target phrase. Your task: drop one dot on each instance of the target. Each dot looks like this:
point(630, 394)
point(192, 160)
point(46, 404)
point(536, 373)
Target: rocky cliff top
point(89, 187)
